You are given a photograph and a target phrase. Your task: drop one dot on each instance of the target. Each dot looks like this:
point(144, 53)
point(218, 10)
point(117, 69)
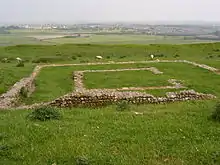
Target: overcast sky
point(73, 11)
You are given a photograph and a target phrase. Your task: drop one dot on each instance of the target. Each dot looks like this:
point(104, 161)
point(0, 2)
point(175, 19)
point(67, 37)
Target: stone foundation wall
point(103, 98)
point(11, 98)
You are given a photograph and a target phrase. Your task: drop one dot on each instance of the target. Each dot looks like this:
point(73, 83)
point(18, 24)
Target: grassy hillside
point(174, 134)
point(34, 54)
point(209, 53)
point(168, 134)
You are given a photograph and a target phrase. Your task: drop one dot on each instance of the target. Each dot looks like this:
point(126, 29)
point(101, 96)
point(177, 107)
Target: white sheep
point(152, 56)
point(99, 57)
point(5, 59)
point(18, 59)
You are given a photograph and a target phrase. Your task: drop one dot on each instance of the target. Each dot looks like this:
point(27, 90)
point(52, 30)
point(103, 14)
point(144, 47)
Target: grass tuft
point(49, 59)
point(122, 106)
point(20, 64)
point(44, 114)
point(24, 92)
point(82, 161)
point(216, 113)
point(74, 58)
point(5, 150)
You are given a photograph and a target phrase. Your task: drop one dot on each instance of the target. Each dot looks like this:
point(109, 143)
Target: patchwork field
point(158, 133)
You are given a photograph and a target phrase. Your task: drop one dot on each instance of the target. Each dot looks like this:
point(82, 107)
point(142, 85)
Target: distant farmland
point(127, 39)
point(62, 37)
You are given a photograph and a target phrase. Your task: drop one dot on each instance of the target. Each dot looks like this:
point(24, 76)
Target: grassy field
point(207, 53)
point(204, 53)
point(18, 37)
point(174, 134)
point(6, 40)
point(49, 85)
point(126, 39)
point(34, 54)
point(61, 82)
point(169, 134)
point(124, 79)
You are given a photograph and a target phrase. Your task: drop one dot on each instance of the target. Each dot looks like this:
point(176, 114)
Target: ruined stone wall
point(105, 97)
point(97, 99)
point(11, 97)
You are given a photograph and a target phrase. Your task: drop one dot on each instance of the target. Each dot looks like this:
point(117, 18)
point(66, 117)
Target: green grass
point(170, 134)
point(86, 53)
point(53, 82)
point(124, 79)
point(83, 53)
point(174, 134)
point(11, 39)
point(50, 84)
point(193, 77)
